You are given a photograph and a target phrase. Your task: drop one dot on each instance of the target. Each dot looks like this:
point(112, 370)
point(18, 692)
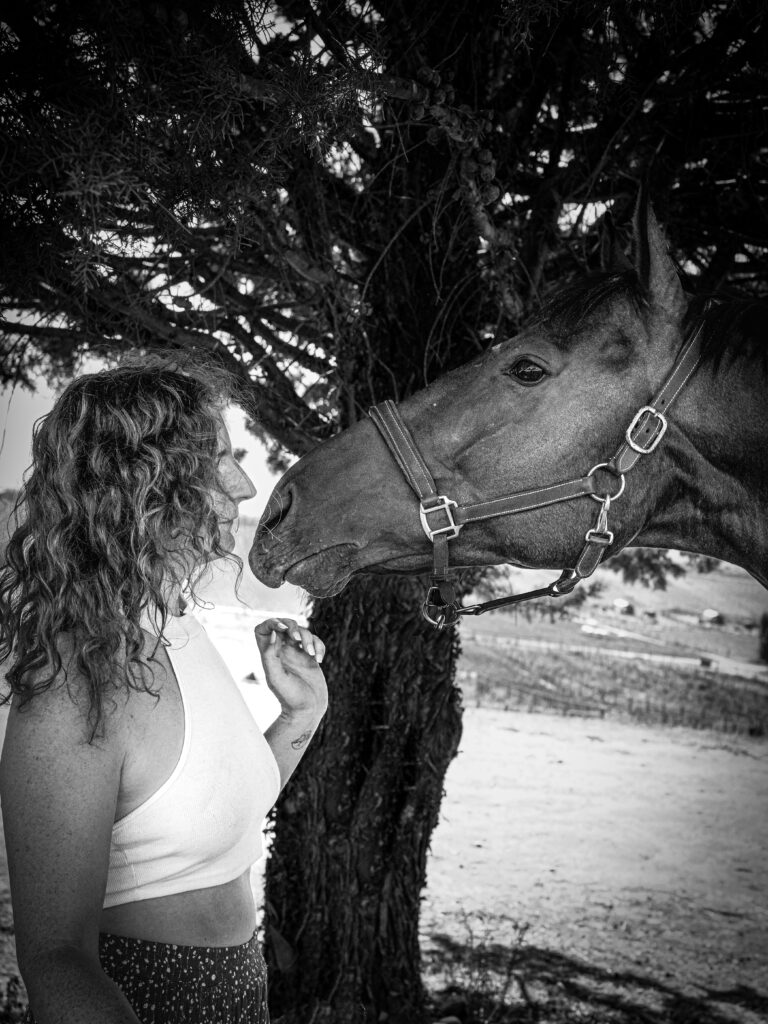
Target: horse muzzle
point(289, 547)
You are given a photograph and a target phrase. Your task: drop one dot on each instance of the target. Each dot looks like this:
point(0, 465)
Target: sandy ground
point(627, 848)
point(633, 849)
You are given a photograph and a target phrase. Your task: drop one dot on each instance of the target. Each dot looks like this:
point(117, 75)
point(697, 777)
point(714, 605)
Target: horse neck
point(714, 497)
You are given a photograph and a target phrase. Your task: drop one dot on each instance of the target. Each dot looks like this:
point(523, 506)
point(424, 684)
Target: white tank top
point(202, 827)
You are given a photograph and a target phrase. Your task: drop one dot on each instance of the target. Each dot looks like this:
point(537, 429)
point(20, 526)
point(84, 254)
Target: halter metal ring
point(613, 497)
point(446, 614)
point(438, 623)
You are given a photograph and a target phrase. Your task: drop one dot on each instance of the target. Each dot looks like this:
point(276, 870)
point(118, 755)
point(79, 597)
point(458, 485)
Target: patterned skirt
point(170, 984)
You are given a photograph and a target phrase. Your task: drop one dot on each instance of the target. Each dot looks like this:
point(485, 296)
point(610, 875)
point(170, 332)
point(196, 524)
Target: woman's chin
point(227, 532)
point(227, 543)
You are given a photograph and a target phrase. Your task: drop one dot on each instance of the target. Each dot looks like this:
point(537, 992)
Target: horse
point(523, 456)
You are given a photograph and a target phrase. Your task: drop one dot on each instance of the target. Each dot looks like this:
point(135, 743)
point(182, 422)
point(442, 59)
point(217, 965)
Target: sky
point(20, 408)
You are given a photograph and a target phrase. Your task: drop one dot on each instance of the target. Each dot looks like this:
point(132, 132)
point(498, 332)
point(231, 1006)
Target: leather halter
point(442, 518)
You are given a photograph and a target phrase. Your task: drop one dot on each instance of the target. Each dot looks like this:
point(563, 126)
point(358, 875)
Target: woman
point(134, 782)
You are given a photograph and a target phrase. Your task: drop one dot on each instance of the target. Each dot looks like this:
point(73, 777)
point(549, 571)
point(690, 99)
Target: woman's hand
point(291, 657)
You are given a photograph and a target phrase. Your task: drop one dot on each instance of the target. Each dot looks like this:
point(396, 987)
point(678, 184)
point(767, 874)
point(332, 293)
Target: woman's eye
point(525, 371)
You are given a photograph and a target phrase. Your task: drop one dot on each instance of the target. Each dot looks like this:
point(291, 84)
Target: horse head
point(547, 405)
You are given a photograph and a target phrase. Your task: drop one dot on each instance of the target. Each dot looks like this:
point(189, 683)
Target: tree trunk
point(351, 831)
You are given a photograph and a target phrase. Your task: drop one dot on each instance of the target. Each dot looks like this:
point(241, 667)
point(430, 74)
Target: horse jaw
point(326, 573)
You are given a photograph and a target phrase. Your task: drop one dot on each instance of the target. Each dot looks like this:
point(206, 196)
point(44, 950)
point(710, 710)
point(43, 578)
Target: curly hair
point(123, 477)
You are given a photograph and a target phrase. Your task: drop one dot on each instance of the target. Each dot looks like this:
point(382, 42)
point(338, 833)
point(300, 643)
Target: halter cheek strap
point(442, 518)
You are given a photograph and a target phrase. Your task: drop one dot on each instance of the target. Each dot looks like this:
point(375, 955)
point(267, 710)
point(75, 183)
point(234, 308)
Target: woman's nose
point(245, 486)
point(237, 485)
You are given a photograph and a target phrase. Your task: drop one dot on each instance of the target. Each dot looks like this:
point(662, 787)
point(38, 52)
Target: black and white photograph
point(384, 512)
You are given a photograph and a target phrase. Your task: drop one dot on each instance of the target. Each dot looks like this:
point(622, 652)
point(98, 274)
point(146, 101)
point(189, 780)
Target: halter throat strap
point(442, 518)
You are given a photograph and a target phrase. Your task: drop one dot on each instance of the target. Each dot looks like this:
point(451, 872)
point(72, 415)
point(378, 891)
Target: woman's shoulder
point(51, 735)
point(61, 697)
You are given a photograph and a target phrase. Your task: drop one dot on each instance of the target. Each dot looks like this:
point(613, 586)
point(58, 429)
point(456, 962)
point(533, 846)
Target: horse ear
point(612, 256)
point(653, 264)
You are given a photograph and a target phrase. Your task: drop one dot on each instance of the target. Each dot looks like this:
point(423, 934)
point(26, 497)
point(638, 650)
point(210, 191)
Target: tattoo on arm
point(299, 742)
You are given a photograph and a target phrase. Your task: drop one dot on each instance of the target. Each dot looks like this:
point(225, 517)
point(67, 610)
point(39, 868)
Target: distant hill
point(7, 501)
point(727, 588)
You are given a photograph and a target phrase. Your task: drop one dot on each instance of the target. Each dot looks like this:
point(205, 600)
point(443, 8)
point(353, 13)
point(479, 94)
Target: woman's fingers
point(290, 631)
point(307, 641)
point(265, 628)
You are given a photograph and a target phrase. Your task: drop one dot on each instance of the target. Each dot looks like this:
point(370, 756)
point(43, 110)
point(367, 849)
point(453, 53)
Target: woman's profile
point(134, 781)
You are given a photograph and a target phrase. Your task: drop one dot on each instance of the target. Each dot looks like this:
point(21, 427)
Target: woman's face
point(236, 486)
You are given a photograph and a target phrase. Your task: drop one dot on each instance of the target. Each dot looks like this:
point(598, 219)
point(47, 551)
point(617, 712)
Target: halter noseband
point(442, 518)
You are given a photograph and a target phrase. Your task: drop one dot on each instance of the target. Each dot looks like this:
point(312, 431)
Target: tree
point(339, 201)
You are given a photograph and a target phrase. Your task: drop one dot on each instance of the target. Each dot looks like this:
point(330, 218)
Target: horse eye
point(525, 371)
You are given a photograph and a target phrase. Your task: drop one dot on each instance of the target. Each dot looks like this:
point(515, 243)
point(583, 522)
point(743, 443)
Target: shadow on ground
point(495, 984)
point(488, 983)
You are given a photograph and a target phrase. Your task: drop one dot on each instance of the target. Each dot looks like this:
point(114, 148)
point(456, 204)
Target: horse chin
point(402, 565)
point(324, 573)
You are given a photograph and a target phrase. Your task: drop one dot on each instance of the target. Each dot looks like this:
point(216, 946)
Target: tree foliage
point(647, 566)
point(251, 180)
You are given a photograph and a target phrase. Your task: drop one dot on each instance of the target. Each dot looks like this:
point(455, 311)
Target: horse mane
point(734, 327)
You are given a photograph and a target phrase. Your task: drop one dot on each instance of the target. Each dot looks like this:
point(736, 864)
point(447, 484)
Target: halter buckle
point(441, 504)
point(602, 537)
point(660, 428)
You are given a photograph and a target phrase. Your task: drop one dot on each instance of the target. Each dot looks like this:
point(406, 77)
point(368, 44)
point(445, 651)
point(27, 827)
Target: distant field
point(595, 685)
point(574, 672)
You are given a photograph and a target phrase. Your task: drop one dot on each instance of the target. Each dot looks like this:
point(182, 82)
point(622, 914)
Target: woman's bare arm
point(59, 794)
point(291, 656)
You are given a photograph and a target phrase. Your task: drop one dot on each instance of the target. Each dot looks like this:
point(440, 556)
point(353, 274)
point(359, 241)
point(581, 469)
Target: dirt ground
point(630, 851)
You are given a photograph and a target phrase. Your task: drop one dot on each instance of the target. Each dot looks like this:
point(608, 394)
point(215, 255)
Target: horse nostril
point(277, 509)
